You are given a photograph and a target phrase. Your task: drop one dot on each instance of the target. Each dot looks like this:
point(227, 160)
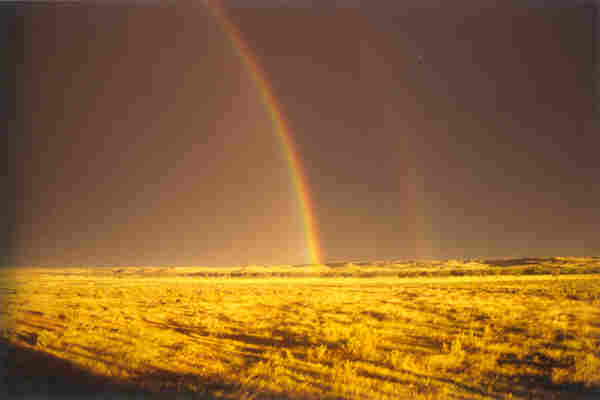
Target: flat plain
point(470, 329)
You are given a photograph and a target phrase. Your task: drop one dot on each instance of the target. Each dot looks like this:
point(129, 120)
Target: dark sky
point(427, 129)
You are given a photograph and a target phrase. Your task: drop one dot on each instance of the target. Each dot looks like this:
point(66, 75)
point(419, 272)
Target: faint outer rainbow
point(280, 125)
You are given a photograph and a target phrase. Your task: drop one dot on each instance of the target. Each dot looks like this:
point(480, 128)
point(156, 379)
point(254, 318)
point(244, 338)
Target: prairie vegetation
point(351, 331)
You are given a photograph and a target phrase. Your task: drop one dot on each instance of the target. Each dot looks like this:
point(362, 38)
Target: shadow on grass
point(544, 382)
point(31, 374)
point(529, 386)
point(280, 337)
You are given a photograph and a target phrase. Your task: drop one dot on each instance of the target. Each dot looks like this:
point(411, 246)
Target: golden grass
point(462, 337)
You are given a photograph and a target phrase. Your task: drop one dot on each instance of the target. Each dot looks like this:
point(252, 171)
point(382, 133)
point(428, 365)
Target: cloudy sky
point(425, 128)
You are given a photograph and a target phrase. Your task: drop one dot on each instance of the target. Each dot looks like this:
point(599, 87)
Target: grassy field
point(500, 329)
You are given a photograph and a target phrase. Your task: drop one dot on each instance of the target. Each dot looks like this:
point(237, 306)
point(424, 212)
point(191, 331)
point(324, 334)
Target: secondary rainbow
point(281, 127)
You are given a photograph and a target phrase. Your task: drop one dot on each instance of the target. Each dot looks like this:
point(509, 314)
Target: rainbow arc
point(280, 125)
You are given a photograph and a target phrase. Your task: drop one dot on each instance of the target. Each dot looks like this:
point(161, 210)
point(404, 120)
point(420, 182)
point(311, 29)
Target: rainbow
point(280, 125)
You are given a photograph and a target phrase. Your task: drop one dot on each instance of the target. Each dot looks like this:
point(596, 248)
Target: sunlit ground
point(483, 335)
